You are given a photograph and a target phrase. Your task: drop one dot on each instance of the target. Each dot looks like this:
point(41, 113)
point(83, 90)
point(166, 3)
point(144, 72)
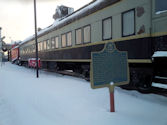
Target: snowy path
point(54, 99)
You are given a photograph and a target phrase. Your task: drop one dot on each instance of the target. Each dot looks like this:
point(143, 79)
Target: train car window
point(40, 44)
point(39, 47)
point(53, 42)
point(107, 28)
point(28, 50)
point(160, 5)
point(44, 45)
point(86, 32)
point(78, 36)
point(63, 40)
point(57, 42)
point(128, 23)
point(24, 50)
point(48, 44)
point(69, 39)
point(34, 48)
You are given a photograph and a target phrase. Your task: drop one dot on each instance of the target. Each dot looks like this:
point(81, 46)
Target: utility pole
point(36, 42)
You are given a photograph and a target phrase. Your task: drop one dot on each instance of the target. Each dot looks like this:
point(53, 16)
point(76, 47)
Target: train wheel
point(145, 84)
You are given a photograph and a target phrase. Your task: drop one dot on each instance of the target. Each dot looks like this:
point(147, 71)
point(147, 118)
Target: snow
point(54, 99)
point(160, 54)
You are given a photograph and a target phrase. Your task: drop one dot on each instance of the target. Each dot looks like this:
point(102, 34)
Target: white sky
point(17, 16)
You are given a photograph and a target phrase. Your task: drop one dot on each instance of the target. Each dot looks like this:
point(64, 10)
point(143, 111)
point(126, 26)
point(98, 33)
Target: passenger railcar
point(135, 26)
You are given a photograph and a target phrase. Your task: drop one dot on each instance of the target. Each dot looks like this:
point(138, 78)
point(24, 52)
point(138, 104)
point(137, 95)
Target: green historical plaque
point(109, 66)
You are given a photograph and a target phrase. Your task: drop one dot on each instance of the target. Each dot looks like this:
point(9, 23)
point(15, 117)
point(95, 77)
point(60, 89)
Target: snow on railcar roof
point(62, 20)
point(15, 47)
point(160, 12)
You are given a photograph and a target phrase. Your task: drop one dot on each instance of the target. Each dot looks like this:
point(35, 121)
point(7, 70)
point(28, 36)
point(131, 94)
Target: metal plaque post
point(109, 68)
point(112, 102)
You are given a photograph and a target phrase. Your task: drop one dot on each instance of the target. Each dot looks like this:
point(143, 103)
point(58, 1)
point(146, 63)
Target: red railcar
point(15, 54)
point(32, 62)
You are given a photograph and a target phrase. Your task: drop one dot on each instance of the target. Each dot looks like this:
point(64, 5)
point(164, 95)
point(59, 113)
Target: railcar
point(135, 26)
point(15, 54)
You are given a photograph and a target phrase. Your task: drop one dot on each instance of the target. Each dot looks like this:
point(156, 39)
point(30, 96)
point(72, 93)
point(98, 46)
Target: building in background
point(4, 49)
point(1, 52)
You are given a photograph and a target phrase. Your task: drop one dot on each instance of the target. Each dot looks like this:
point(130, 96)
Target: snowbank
point(54, 99)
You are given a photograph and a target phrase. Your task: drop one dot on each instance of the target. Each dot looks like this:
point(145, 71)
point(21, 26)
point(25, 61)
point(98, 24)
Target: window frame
point(134, 22)
point(81, 36)
point(47, 43)
point(67, 39)
point(44, 47)
point(39, 48)
point(84, 34)
point(34, 48)
point(57, 42)
point(103, 28)
point(53, 40)
point(40, 45)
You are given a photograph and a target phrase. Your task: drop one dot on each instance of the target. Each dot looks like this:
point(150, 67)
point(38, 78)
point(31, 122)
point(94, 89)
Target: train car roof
point(80, 13)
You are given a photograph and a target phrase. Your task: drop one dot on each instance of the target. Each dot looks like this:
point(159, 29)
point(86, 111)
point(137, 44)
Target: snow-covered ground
point(54, 99)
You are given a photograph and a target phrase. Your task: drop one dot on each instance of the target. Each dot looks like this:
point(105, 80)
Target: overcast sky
point(17, 16)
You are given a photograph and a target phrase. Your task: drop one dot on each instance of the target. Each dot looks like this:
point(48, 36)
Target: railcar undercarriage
point(141, 75)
